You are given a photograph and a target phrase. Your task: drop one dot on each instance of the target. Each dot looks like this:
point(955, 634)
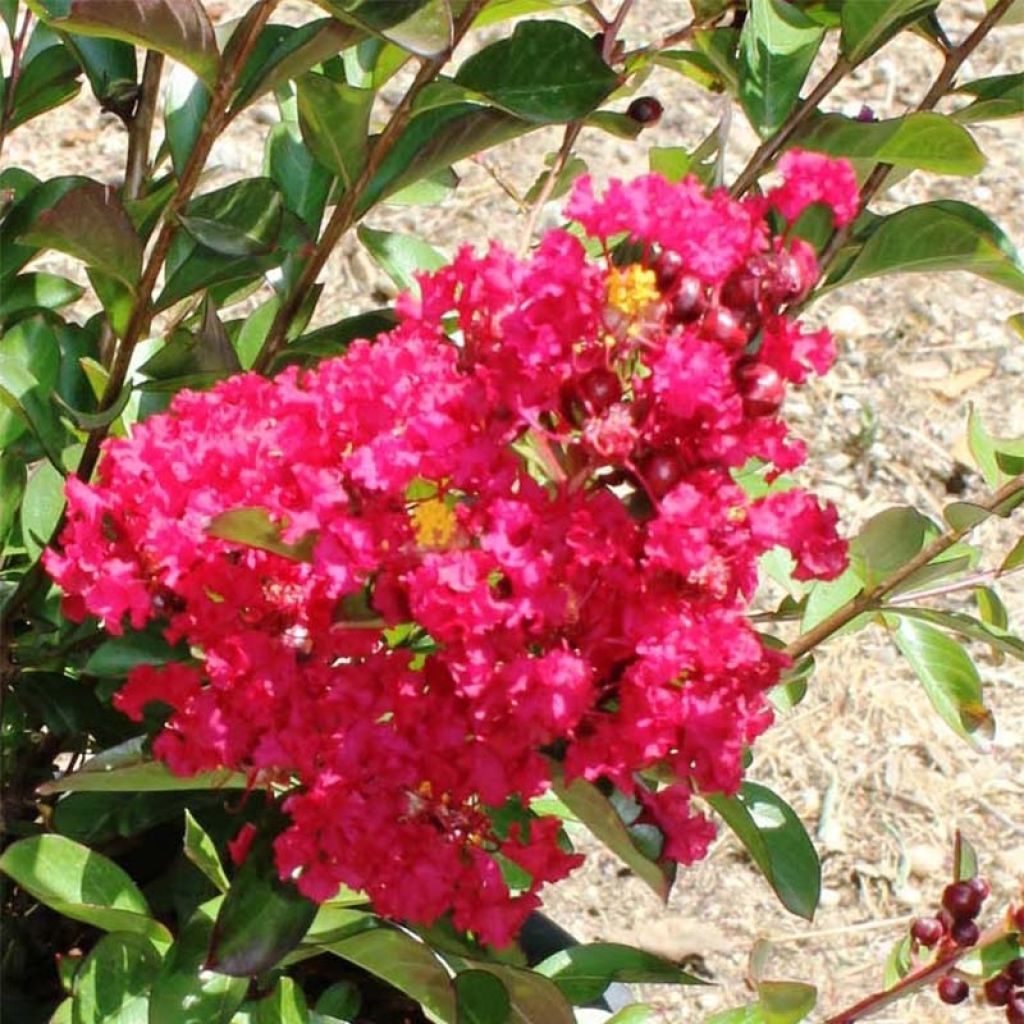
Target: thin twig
point(612, 31)
point(589, 7)
point(978, 579)
point(572, 131)
point(141, 129)
point(939, 88)
point(346, 211)
point(766, 152)
point(17, 48)
point(870, 599)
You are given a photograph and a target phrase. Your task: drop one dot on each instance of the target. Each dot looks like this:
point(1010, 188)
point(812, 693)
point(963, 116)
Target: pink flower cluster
point(516, 540)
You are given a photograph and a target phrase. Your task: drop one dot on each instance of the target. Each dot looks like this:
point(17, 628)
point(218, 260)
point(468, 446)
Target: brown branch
point(766, 152)
point(939, 88)
point(141, 129)
point(346, 211)
point(572, 131)
point(17, 48)
point(870, 599)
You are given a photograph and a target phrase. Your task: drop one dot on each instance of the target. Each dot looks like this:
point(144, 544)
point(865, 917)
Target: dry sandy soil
point(880, 781)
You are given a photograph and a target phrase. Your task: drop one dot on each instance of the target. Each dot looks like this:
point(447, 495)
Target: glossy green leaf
point(47, 80)
point(932, 237)
point(304, 182)
point(29, 369)
point(90, 224)
point(29, 292)
point(96, 819)
point(965, 858)
point(117, 656)
point(721, 48)
point(997, 637)
point(81, 884)
point(887, 541)
point(637, 1013)
point(597, 812)
point(546, 72)
point(184, 991)
point(949, 677)
point(112, 984)
point(778, 45)
point(786, 1002)
point(200, 850)
point(334, 118)
point(422, 27)
point(584, 972)
point(111, 68)
point(253, 527)
point(481, 998)
point(401, 257)
point(694, 65)
point(404, 962)
point(869, 24)
point(13, 476)
point(1014, 558)
point(15, 253)
point(898, 964)
point(924, 141)
point(983, 448)
point(778, 843)
point(672, 162)
point(41, 508)
point(261, 919)
point(286, 1004)
point(534, 999)
point(179, 28)
point(284, 52)
point(186, 103)
point(101, 775)
point(994, 98)
point(828, 596)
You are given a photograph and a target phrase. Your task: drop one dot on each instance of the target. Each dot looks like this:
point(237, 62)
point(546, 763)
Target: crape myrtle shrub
point(371, 613)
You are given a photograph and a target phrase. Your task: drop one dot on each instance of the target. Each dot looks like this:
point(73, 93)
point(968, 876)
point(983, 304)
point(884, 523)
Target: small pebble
point(926, 861)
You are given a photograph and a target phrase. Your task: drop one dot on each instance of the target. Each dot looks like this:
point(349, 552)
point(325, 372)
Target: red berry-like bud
point(688, 301)
point(927, 931)
point(964, 933)
point(961, 900)
point(1014, 970)
point(998, 990)
point(662, 472)
point(1015, 1009)
point(1018, 919)
point(953, 990)
point(599, 389)
point(762, 389)
point(980, 887)
point(724, 326)
point(741, 290)
point(645, 110)
point(785, 279)
point(667, 268)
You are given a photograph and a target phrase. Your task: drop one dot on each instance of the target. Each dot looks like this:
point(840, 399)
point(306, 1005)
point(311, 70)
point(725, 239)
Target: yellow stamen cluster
point(632, 289)
point(434, 523)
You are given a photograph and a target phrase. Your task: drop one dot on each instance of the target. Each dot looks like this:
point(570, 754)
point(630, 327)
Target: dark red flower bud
point(953, 990)
point(599, 389)
point(961, 900)
point(645, 110)
point(964, 933)
point(688, 301)
point(762, 389)
point(998, 990)
point(927, 931)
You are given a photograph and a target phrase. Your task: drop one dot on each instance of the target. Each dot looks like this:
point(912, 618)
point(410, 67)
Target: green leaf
point(868, 24)
point(983, 448)
point(400, 256)
point(112, 71)
point(261, 918)
point(340, 1000)
point(671, 162)
point(994, 98)
point(304, 182)
point(116, 657)
point(81, 884)
point(998, 638)
point(923, 141)
point(546, 72)
point(178, 28)
point(898, 964)
point(778, 843)
point(285, 1005)
point(435, 140)
point(90, 224)
point(284, 52)
point(949, 677)
point(583, 973)
point(1015, 558)
point(184, 992)
point(29, 369)
point(887, 541)
point(1013, 16)
point(637, 1013)
point(335, 118)
point(41, 507)
point(481, 998)
point(254, 528)
point(407, 964)
point(933, 237)
point(186, 103)
point(965, 858)
point(23, 214)
point(778, 45)
point(112, 984)
point(597, 812)
point(786, 1002)
point(423, 27)
point(828, 596)
point(47, 80)
point(29, 292)
point(13, 476)
point(534, 999)
point(200, 850)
